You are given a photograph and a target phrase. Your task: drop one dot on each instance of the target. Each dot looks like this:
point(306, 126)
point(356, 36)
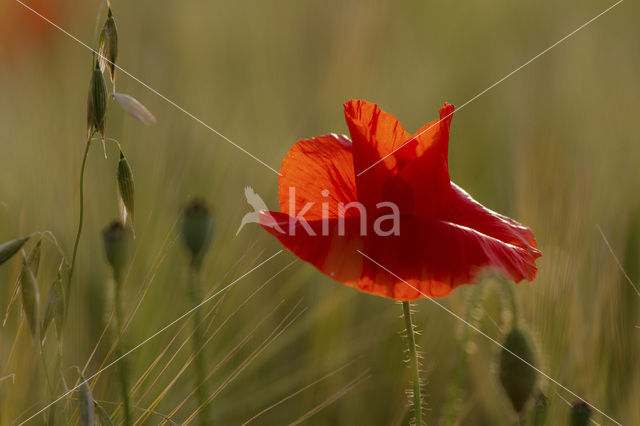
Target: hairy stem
point(413, 364)
point(122, 365)
point(75, 244)
point(197, 339)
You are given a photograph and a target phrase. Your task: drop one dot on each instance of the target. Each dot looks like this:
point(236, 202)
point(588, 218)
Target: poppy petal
point(433, 256)
point(314, 168)
point(375, 135)
point(466, 211)
point(428, 172)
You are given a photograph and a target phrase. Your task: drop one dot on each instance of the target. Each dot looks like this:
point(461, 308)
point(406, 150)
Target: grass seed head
point(86, 407)
point(108, 46)
point(118, 245)
point(30, 299)
point(9, 248)
point(96, 102)
point(197, 229)
point(54, 307)
point(126, 188)
point(517, 377)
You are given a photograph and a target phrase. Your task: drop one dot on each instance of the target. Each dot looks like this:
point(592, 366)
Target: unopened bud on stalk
point(118, 245)
point(96, 102)
point(197, 229)
point(580, 414)
point(108, 46)
point(517, 376)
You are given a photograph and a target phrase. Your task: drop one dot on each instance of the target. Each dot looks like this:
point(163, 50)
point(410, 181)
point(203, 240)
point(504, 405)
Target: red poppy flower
point(436, 238)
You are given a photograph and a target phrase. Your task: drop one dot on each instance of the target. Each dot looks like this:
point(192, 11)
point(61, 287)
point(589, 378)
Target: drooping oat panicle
point(9, 248)
point(86, 407)
point(96, 102)
point(197, 229)
point(516, 375)
point(108, 47)
point(126, 189)
point(30, 299)
point(134, 108)
point(33, 259)
point(54, 307)
point(118, 246)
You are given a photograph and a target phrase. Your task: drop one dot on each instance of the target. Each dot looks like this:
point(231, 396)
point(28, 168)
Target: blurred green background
point(555, 146)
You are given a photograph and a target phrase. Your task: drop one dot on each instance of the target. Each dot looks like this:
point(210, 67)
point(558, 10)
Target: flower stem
point(122, 366)
point(413, 364)
point(196, 340)
point(75, 244)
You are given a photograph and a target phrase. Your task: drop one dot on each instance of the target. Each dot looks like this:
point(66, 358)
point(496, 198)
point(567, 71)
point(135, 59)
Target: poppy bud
point(9, 248)
point(517, 377)
point(96, 102)
point(118, 242)
point(580, 414)
point(197, 229)
point(108, 46)
point(126, 188)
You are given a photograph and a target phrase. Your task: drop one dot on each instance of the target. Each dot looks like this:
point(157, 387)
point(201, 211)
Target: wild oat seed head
point(54, 307)
point(9, 248)
point(96, 102)
point(126, 189)
point(108, 46)
point(30, 299)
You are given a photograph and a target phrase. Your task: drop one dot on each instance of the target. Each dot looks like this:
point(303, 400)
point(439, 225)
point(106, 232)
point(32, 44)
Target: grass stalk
point(122, 365)
point(197, 339)
point(414, 364)
point(80, 222)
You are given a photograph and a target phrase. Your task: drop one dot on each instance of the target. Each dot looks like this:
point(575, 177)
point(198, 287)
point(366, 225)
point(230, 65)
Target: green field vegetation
point(556, 146)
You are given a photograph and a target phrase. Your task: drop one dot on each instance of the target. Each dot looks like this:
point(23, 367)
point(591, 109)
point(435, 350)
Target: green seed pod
point(118, 245)
point(9, 248)
point(126, 188)
point(30, 299)
point(54, 307)
point(197, 229)
point(518, 379)
point(108, 46)
point(86, 406)
point(96, 102)
point(580, 414)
